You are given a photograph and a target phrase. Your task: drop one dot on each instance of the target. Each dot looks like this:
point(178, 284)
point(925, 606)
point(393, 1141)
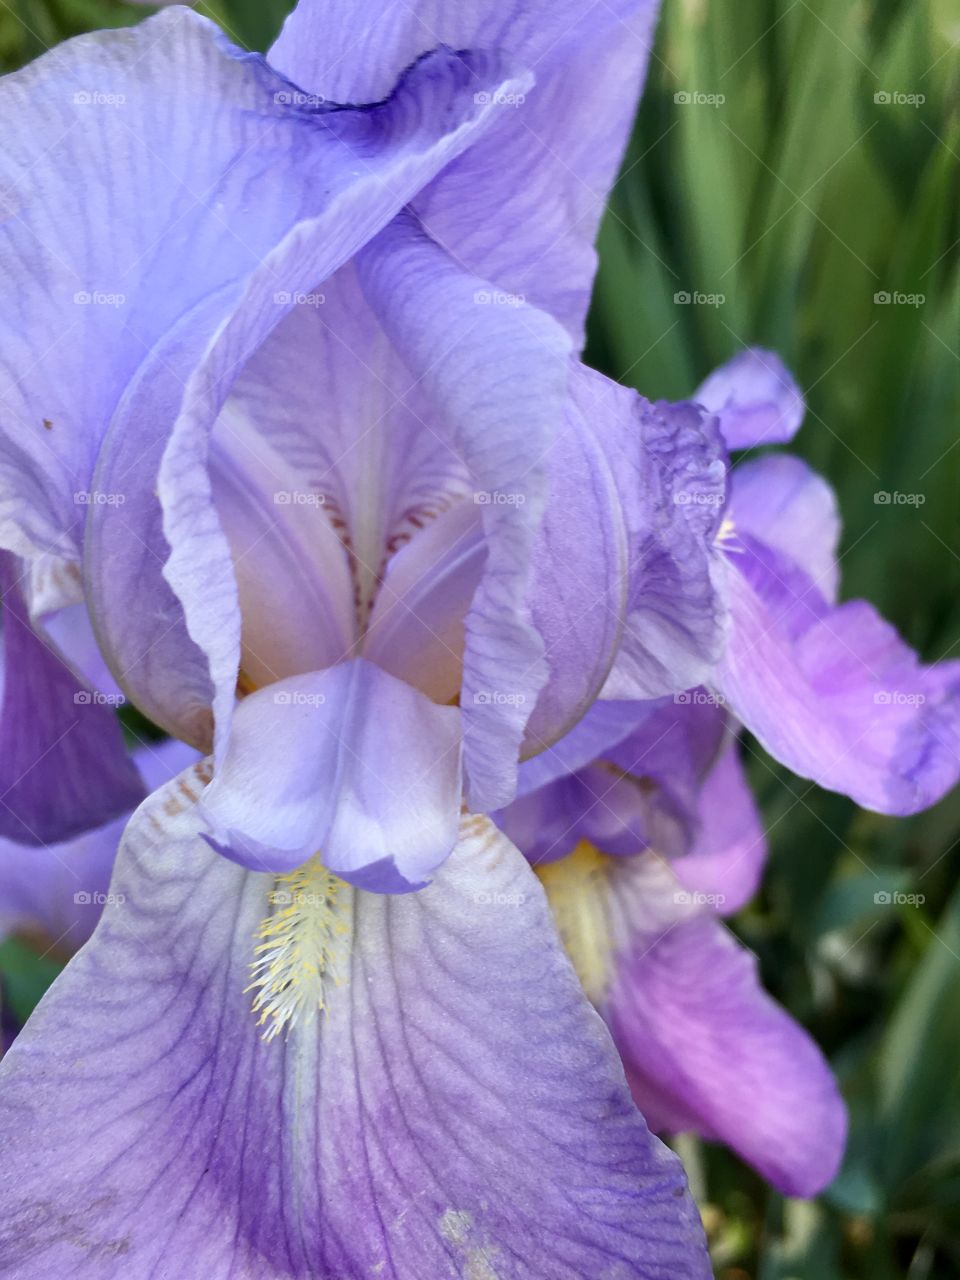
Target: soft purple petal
point(780, 501)
point(162, 274)
point(756, 398)
point(496, 381)
point(604, 725)
point(63, 766)
point(670, 465)
point(523, 207)
point(579, 591)
point(455, 1109)
point(833, 692)
point(60, 890)
point(349, 761)
point(726, 860)
point(699, 1034)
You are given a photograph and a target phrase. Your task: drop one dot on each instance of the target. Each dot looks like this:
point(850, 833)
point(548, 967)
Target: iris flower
point(642, 827)
point(292, 409)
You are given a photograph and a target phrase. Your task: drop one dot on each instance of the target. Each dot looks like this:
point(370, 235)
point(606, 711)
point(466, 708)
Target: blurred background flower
point(793, 182)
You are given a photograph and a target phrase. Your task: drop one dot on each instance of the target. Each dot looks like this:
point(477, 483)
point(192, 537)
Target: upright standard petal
point(544, 172)
point(456, 1109)
point(211, 187)
point(63, 766)
point(497, 382)
point(756, 399)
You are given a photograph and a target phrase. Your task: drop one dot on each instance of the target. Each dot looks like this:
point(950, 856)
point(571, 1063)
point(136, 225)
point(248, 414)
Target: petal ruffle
point(756, 399)
point(671, 468)
point(456, 1108)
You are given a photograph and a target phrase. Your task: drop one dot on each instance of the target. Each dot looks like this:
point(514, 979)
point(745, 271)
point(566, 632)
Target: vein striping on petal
point(302, 945)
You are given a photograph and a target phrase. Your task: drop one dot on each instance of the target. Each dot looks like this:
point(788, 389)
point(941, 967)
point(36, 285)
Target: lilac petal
point(368, 776)
point(456, 1108)
point(166, 275)
point(578, 594)
point(781, 502)
point(63, 766)
point(545, 170)
point(60, 890)
point(756, 398)
point(727, 858)
point(670, 465)
point(833, 692)
point(496, 379)
point(698, 1033)
point(604, 725)
point(417, 628)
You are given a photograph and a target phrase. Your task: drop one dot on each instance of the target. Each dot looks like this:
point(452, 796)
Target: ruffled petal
point(350, 763)
point(671, 469)
point(756, 399)
point(63, 766)
point(833, 692)
point(455, 1109)
point(523, 207)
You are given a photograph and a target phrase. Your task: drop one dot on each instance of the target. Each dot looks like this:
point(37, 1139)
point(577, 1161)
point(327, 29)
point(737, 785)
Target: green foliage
point(799, 199)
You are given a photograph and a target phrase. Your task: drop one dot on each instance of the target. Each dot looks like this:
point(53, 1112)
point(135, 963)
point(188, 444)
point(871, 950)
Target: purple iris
point(645, 834)
point(293, 412)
